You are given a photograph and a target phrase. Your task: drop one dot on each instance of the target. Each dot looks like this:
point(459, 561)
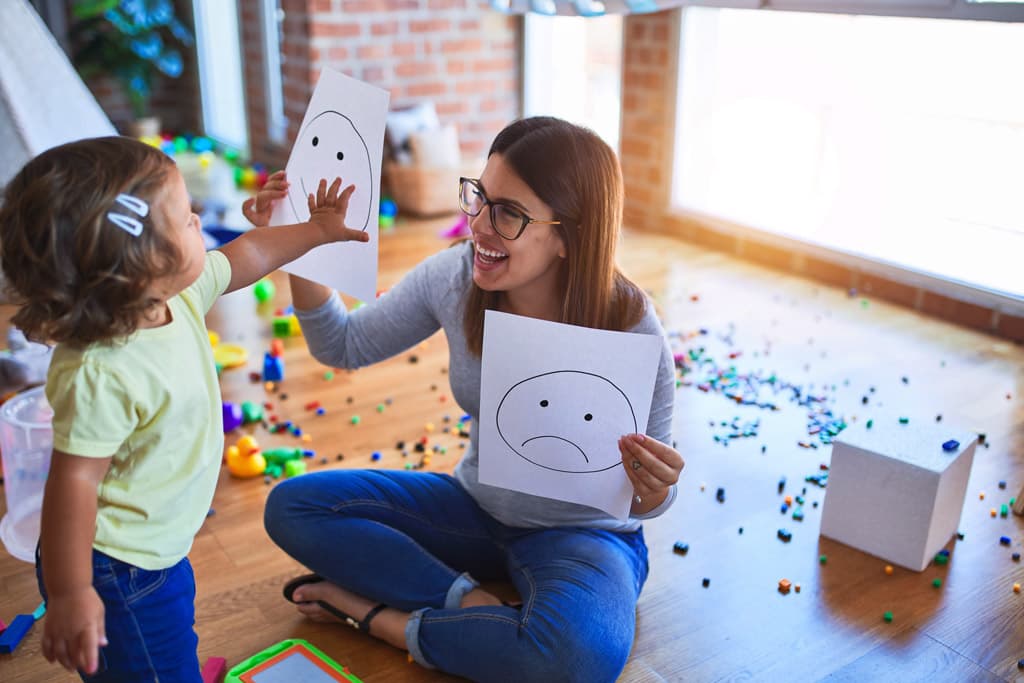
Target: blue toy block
point(273, 368)
point(13, 634)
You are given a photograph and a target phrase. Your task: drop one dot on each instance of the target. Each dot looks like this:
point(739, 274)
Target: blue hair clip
point(130, 224)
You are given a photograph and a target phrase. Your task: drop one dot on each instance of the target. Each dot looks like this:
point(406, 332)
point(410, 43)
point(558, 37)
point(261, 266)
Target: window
point(573, 70)
point(891, 138)
point(273, 18)
point(220, 72)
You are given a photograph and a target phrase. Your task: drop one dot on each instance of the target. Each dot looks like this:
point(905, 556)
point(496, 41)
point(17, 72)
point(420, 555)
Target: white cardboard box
point(894, 492)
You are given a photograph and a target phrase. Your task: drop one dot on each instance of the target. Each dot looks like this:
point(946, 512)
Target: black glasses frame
point(487, 202)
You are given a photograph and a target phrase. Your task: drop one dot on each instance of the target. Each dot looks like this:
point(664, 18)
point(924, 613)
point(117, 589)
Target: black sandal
point(364, 625)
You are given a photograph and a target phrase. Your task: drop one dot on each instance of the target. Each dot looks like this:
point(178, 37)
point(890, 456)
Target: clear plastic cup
point(26, 441)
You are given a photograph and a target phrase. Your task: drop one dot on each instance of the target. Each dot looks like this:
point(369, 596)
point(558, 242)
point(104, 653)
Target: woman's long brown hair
point(577, 174)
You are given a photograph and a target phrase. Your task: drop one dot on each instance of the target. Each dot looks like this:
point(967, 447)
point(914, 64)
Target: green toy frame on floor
point(263, 662)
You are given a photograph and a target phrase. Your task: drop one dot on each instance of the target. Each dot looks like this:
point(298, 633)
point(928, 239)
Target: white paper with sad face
point(342, 135)
point(554, 400)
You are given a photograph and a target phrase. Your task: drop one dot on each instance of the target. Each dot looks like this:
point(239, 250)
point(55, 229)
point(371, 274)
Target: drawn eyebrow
point(504, 200)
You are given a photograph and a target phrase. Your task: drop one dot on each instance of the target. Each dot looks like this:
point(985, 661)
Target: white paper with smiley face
point(331, 147)
point(554, 400)
point(342, 135)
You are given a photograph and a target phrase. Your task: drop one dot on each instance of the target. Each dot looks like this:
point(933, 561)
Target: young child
point(104, 256)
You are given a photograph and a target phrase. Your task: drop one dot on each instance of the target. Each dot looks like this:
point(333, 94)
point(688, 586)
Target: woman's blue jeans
point(418, 542)
point(149, 619)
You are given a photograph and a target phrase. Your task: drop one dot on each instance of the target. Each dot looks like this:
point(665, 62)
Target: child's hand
point(258, 209)
point(74, 631)
point(328, 208)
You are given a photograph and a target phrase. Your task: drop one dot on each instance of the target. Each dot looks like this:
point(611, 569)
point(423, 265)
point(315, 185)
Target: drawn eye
point(588, 417)
point(316, 141)
point(544, 403)
point(341, 156)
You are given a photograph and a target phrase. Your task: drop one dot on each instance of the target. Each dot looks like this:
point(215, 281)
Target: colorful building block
point(273, 368)
point(214, 670)
point(15, 632)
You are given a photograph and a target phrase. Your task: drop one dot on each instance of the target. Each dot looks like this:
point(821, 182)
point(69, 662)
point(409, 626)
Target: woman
point(399, 554)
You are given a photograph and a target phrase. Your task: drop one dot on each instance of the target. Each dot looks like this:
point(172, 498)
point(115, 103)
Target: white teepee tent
point(43, 102)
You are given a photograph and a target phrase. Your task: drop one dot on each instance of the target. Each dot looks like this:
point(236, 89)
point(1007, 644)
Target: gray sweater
point(432, 296)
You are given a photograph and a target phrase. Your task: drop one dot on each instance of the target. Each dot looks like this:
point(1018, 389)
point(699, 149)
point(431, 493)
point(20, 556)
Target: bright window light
point(220, 72)
point(573, 70)
point(896, 139)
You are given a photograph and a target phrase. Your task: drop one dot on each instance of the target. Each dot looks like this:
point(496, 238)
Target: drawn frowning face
point(330, 147)
point(566, 421)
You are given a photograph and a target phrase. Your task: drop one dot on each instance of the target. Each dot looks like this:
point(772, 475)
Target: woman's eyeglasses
point(507, 220)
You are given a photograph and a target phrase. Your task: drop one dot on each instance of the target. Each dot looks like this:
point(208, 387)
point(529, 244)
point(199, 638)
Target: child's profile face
point(174, 211)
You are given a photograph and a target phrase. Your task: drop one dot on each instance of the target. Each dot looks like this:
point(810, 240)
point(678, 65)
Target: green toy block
point(294, 468)
point(251, 412)
point(282, 327)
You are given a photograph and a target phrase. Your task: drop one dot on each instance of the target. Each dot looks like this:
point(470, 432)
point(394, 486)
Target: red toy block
point(214, 670)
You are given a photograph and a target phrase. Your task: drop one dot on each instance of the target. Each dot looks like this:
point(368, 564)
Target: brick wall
point(650, 68)
point(459, 54)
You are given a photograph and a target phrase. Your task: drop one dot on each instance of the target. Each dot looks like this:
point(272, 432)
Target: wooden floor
point(739, 627)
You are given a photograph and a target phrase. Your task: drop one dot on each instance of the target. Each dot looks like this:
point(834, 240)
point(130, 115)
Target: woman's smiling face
point(505, 265)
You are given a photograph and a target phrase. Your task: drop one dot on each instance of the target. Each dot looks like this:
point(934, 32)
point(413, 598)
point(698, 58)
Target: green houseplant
point(133, 41)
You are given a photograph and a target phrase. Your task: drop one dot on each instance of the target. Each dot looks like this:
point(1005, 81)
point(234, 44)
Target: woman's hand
point(327, 210)
point(652, 468)
point(259, 208)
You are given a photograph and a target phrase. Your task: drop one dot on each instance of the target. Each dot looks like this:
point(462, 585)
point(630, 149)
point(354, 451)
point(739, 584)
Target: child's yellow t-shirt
point(154, 404)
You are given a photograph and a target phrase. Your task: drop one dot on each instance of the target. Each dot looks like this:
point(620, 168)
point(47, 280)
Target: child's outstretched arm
point(263, 250)
point(73, 630)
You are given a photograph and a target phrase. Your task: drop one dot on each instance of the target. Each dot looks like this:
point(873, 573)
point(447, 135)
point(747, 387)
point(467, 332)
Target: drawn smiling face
point(566, 421)
point(330, 147)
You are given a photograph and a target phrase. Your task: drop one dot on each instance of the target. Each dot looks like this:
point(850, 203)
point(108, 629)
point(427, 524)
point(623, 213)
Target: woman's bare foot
point(388, 624)
point(308, 595)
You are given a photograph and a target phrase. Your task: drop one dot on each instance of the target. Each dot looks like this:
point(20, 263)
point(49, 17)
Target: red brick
point(386, 28)
point(959, 312)
point(456, 66)
point(431, 89)
point(828, 271)
point(659, 31)
point(429, 26)
point(403, 49)
point(363, 6)
point(451, 108)
point(319, 29)
point(412, 69)
point(455, 46)
point(374, 51)
point(887, 289)
point(446, 4)
point(482, 65)
point(337, 53)
point(373, 74)
point(1011, 327)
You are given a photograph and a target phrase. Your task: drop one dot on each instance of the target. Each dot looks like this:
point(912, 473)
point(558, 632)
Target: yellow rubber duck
point(245, 459)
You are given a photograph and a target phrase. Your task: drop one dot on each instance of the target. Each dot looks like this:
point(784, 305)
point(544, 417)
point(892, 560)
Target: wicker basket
point(427, 191)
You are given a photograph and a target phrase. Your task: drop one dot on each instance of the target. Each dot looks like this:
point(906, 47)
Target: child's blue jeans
point(149, 621)
point(418, 542)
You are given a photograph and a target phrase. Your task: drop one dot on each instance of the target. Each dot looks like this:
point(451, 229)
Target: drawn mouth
point(551, 436)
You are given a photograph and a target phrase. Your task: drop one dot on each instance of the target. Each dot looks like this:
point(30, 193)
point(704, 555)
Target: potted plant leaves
point(135, 42)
